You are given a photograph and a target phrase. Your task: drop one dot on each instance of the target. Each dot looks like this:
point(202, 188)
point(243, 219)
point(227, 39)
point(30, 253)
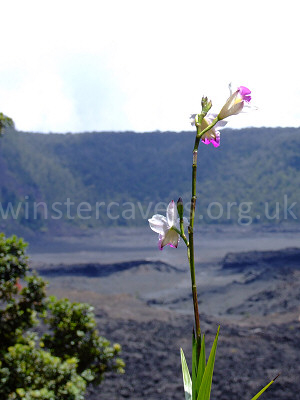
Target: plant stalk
point(190, 247)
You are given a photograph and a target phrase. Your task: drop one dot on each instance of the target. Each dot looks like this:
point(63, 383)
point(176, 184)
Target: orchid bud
point(180, 207)
point(206, 105)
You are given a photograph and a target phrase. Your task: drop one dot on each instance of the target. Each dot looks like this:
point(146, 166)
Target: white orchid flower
point(164, 226)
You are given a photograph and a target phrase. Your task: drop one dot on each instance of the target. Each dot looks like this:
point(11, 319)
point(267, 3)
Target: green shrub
point(32, 373)
point(74, 334)
point(59, 364)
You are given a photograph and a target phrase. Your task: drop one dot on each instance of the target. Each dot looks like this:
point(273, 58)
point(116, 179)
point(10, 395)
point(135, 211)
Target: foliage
point(13, 265)
point(19, 306)
point(199, 387)
point(5, 122)
point(31, 373)
point(64, 360)
point(74, 334)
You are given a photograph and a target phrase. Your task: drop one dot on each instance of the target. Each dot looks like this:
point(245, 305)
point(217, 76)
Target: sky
point(118, 65)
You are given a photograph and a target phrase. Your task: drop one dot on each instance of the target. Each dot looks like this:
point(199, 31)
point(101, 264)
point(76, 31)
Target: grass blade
point(201, 365)
point(194, 369)
point(187, 382)
point(263, 389)
point(205, 388)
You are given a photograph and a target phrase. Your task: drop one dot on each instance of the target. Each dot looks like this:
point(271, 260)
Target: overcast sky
point(71, 66)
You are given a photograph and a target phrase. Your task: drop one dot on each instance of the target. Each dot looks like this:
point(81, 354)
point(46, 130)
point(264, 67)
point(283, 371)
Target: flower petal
point(192, 119)
point(172, 214)
point(171, 239)
point(236, 108)
point(211, 136)
point(210, 117)
point(204, 124)
point(158, 223)
point(220, 124)
point(160, 239)
point(245, 92)
point(216, 141)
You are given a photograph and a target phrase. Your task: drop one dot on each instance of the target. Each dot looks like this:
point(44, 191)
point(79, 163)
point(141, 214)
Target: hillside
point(121, 177)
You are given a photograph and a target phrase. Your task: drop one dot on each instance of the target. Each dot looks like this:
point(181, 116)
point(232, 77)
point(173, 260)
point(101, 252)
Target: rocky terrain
point(281, 259)
point(247, 358)
point(146, 306)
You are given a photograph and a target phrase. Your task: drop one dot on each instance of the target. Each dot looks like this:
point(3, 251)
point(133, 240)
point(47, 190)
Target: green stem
point(191, 253)
point(193, 280)
point(182, 234)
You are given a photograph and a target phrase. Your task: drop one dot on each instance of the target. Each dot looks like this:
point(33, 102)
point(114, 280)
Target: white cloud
point(98, 65)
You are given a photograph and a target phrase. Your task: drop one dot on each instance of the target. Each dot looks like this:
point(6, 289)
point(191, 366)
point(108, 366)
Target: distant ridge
point(289, 257)
point(129, 173)
point(102, 270)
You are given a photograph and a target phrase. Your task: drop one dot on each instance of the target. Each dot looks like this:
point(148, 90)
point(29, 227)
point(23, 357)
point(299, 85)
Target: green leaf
point(194, 369)
point(20, 392)
point(265, 388)
point(205, 388)
point(201, 365)
point(187, 382)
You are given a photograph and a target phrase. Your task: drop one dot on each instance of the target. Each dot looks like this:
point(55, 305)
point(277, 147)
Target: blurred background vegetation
point(255, 165)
